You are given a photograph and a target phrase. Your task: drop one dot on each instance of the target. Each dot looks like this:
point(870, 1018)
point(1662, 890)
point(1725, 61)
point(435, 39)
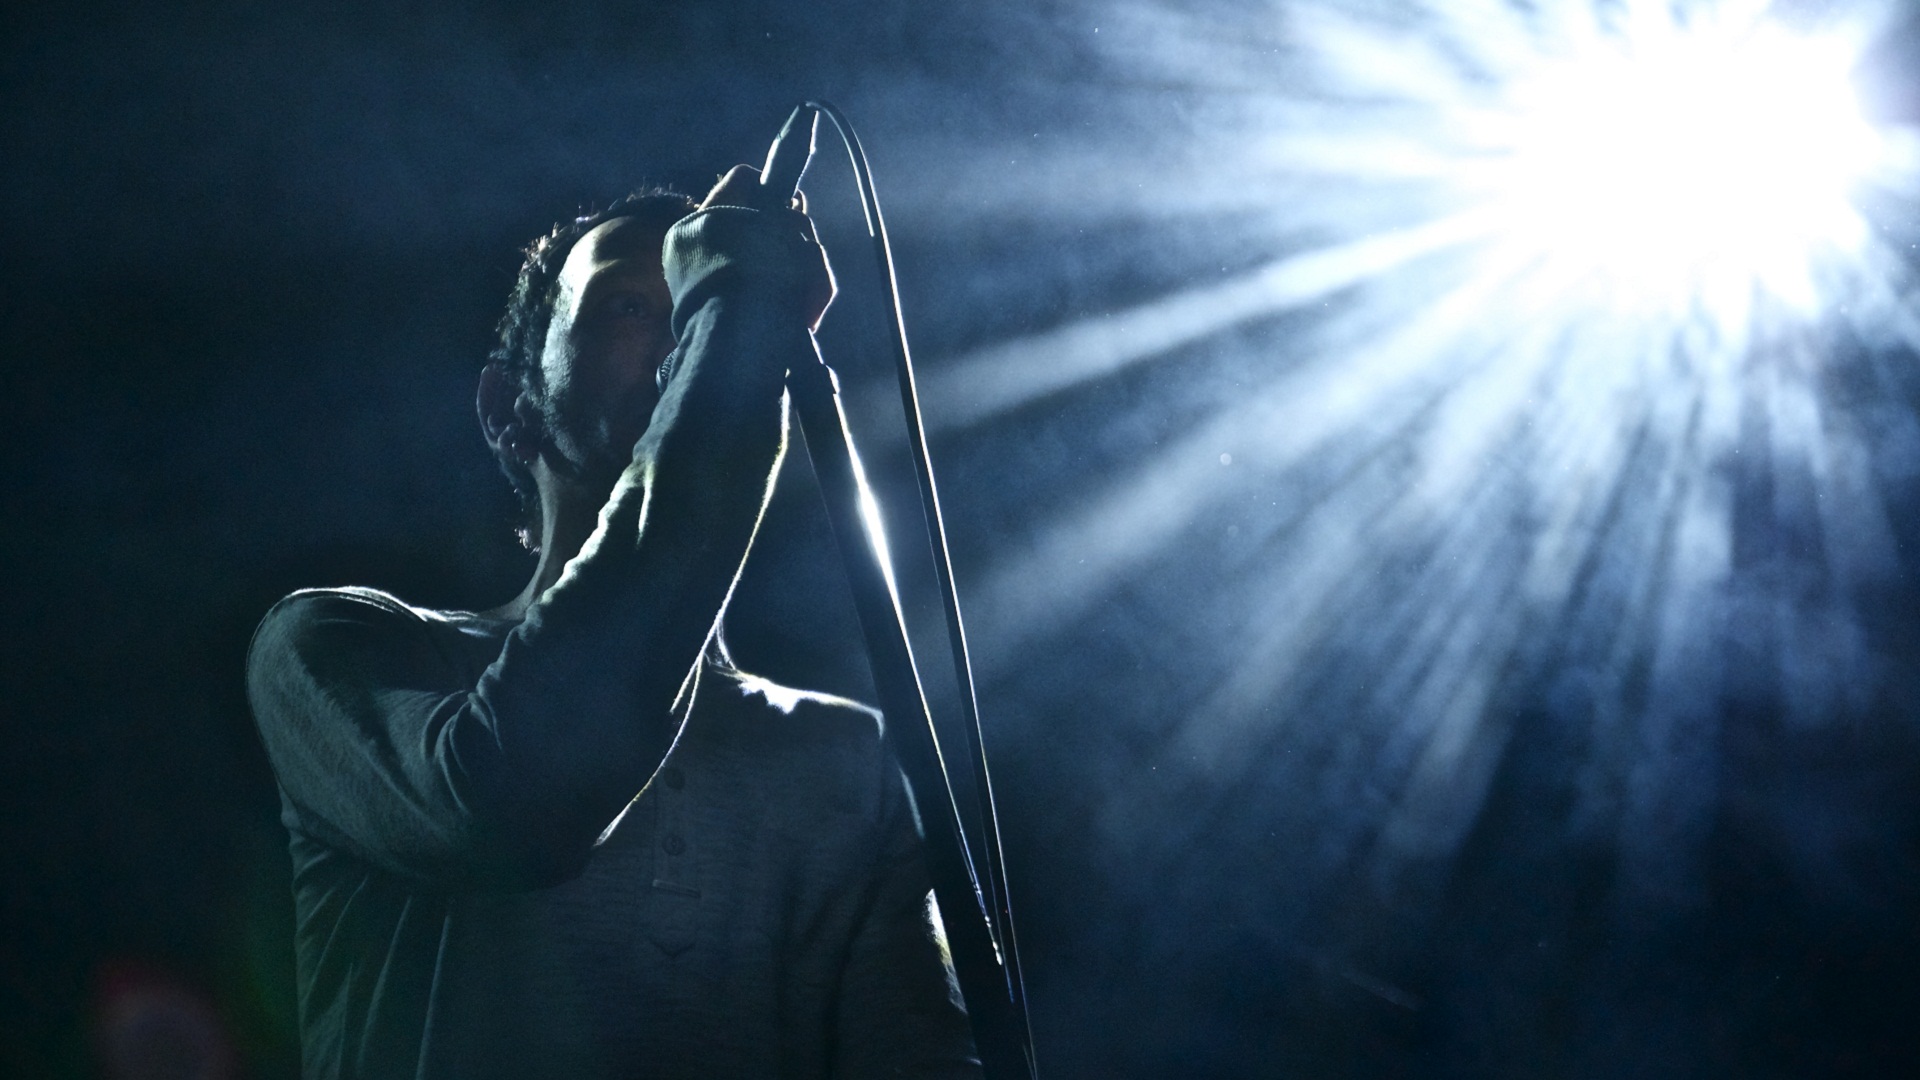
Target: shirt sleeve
point(900, 1010)
point(387, 749)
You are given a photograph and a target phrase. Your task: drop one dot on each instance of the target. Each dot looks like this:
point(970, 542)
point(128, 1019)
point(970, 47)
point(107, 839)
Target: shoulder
point(327, 634)
point(835, 733)
point(804, 712)
point(313, 617)
point(811, 753)
point(305, 613)
point(352, 602)
point(791, 700)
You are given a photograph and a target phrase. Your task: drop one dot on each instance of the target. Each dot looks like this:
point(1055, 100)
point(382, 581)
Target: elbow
point(511, 822)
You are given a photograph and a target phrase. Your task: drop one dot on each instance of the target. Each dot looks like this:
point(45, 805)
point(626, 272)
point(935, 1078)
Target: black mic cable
point(786, 164)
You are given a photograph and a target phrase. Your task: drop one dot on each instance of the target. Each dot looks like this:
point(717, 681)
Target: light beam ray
point(1293, 418)
point(1581, 299)
point(975, 388)
point(1316, 578)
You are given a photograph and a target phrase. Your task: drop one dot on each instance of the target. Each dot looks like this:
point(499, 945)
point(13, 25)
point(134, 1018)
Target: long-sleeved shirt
point(532, 848)
point(759, 911)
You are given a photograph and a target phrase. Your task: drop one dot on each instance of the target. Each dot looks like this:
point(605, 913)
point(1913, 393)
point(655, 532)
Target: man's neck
point(569, 513)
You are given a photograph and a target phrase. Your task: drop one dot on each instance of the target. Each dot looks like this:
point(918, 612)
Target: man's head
point(571, 380)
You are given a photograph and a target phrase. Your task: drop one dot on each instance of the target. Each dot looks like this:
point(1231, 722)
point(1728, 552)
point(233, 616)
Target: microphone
point(787, 161)
point(792, 149)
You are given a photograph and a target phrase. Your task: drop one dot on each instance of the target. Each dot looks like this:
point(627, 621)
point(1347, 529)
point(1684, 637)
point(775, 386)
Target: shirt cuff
point(734, 250)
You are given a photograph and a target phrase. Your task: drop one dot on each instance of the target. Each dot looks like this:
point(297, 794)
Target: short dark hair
point(522, 334)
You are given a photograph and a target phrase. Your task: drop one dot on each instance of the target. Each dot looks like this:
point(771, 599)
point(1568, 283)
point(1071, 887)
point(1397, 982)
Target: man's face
point(608, 336)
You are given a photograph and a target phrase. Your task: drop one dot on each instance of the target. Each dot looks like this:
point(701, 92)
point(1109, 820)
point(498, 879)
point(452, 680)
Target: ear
point(495, 401)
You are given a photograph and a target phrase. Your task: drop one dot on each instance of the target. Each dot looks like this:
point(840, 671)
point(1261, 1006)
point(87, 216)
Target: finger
point(739, 187)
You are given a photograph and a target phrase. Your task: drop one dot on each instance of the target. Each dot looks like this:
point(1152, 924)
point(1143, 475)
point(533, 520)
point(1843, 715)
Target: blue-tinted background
point(1298, 778)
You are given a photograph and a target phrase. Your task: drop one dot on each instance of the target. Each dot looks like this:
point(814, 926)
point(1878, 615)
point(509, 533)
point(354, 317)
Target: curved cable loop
point(993, 862)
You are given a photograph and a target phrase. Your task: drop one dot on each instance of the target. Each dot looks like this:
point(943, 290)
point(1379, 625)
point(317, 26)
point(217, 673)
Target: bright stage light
point(1673, 165)
point(1528, 400)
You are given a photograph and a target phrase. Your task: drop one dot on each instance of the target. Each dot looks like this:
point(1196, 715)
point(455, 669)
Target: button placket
point(674, 883)
point(674, 866)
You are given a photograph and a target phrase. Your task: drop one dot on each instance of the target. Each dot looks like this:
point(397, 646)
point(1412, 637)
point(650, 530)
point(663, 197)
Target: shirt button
point(673, 778)
point(674, 844)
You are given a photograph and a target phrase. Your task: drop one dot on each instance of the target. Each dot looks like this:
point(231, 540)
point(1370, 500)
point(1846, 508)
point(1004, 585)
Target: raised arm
point(389, 748)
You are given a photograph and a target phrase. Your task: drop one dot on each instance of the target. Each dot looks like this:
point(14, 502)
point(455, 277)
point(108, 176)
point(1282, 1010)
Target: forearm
point(653, 578)
point(677, 528)
point(607, 649)
point(617, 635)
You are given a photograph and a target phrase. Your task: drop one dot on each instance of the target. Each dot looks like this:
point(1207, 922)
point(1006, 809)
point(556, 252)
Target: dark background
point(250, 260)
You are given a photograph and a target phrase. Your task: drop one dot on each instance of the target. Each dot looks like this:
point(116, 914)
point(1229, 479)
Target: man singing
point(564, 837)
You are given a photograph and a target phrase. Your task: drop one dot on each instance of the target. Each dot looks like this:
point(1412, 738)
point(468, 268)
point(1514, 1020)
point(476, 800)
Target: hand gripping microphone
point(786, 163)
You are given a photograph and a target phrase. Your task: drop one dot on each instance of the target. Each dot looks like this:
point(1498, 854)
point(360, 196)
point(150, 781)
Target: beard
point(590, 443)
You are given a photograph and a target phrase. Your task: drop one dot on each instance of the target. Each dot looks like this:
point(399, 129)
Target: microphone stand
point(979, 926)
point(999, 1030)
